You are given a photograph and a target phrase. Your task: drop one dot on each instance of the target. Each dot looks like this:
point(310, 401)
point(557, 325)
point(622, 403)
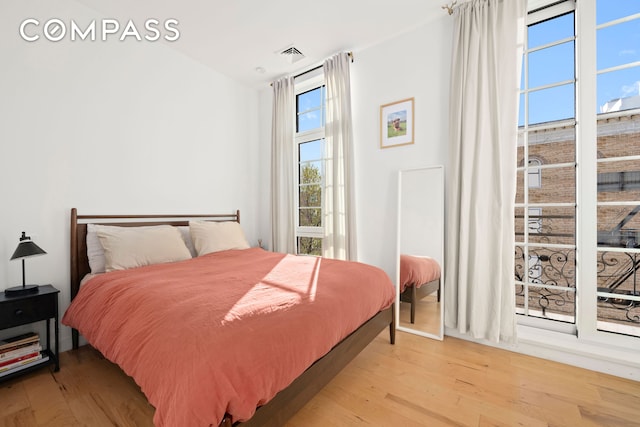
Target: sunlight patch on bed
point(296, 277)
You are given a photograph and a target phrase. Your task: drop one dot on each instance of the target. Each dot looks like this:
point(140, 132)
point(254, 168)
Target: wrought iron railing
point(549, 272)
point(550, 276)
point(618, 274)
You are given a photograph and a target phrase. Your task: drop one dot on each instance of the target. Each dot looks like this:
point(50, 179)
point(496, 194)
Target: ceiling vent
point(292, 54)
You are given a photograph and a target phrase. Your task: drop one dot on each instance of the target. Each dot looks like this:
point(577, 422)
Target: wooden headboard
point(80, 261)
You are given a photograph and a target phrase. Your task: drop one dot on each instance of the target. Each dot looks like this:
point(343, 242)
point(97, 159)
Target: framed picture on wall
point(396, 123)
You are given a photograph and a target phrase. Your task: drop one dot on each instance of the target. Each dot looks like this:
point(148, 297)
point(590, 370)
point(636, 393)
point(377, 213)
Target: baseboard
point(568, 349)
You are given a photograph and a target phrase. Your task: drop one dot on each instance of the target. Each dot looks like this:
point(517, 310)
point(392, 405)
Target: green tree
point(310, 211)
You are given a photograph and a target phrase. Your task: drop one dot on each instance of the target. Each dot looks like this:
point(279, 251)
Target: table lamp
point(26, 249)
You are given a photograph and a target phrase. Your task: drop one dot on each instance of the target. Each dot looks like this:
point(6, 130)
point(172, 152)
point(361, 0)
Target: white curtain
point(339, 204)
point(283, 166)
point(485, 78)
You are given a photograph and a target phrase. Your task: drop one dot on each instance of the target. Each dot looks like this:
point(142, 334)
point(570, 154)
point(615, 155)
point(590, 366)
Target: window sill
point(570, 350)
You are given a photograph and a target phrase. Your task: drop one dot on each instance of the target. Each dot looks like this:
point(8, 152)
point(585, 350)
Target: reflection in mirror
point(420, 253)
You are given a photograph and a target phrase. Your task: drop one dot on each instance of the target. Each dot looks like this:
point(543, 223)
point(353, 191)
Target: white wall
point(264, 135)
point(112, 127)
point(415, 64)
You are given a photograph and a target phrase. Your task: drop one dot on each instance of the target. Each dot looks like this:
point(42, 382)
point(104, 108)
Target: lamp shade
point(26, 248)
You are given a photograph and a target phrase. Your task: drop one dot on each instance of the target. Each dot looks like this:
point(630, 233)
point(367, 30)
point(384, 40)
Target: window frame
point(313, 82)
point(539, 13)
point(586, 134)
point(608, 337)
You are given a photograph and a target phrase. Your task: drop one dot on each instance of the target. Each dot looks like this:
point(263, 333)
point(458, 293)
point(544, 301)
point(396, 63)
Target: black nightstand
point(30, 308)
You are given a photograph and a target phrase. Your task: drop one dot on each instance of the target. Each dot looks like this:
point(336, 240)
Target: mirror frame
point(439, 209)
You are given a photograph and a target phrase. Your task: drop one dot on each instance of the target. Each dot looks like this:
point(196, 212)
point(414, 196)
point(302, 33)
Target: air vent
point(292, 54)
point(291, 51)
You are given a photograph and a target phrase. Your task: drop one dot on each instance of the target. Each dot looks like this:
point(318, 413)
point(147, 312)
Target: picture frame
point(396, 123)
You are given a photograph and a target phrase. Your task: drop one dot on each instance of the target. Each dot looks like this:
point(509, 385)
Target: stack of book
point(19, 352)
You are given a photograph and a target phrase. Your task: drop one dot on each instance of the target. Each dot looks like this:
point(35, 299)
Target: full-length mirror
point(420, 253)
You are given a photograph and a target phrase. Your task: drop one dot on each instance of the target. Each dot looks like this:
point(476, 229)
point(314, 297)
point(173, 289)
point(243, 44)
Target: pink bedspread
point(226, 331)
point(417, 271)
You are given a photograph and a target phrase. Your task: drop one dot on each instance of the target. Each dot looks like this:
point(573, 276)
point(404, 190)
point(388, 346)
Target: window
point(619, 181)
point(618, 163)
point(535, 174)
point(546, 247)
point(578, 214)
point(310, 152)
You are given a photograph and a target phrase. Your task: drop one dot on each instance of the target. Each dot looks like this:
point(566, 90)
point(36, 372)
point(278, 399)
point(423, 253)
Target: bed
point(419, 277)
point(203, 357)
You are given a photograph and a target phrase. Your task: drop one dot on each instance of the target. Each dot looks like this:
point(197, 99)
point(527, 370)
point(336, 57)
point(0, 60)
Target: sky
point(616, 45)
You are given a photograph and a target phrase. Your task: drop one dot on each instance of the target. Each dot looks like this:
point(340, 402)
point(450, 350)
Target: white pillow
point(95, 252)
point(210, 237)
point(131, 247)
point(186, 236)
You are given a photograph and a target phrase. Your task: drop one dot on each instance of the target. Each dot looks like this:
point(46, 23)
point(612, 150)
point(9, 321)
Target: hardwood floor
point(417, 382)
point(427, 315)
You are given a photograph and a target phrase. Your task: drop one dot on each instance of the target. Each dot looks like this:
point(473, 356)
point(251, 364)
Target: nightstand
point(31, 308)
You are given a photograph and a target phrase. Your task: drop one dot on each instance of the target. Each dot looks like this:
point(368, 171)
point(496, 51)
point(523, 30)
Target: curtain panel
point(485, 77)
point(283, 166)
point(339, 199)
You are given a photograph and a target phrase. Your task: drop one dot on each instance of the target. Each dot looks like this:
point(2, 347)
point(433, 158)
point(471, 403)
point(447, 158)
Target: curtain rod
point(350, 54)
point(449, 7)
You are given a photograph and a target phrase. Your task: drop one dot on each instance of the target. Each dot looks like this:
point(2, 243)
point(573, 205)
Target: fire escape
point(627, 266)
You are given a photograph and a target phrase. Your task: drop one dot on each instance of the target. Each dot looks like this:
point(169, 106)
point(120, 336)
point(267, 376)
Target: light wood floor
point(417, 382)
point(427, 315)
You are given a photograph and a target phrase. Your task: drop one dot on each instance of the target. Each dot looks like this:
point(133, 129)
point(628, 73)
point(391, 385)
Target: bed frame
point(412, 294)
point(288, 401)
